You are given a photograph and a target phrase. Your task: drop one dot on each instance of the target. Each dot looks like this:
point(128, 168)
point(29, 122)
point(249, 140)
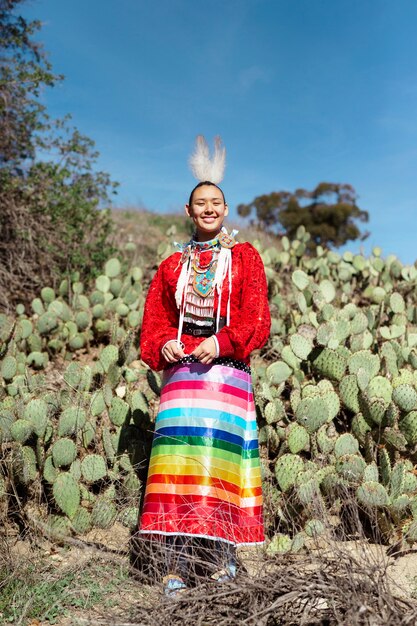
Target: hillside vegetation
point(336, 391)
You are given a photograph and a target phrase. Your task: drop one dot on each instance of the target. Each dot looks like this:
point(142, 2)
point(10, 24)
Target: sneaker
point(226, 575)
point(173, 585)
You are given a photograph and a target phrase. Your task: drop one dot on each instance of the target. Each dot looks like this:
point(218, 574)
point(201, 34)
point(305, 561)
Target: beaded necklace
point(204, 263)
point(213, 271)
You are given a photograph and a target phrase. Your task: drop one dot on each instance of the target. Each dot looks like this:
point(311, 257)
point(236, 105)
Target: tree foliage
point(329, 213)
point(50, 192)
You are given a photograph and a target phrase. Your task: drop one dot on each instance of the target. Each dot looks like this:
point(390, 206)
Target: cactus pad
point(71, 420)
point(36, 412)
point(66, 494)
point(119, 411)
point(408, 426)
point(405, 397)
point(9, 368)
point(298, 438)
point(81, 521)
point(286, 469)
point(103, 514)
point(346, 444)
point(372, 494)
point(64, 452)
point(330, 363)
point(93, 468)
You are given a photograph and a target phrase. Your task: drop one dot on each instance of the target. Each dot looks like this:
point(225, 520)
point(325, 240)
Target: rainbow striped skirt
point(204, 475)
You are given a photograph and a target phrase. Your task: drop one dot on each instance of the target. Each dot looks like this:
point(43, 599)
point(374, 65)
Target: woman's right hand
point(172, 351)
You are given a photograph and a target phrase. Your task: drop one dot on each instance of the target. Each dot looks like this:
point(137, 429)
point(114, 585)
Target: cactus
point(330, 363)
point(312, 413)
point(71, 420)
point(346, 444)
point(349, 391)
point(314, 528)
point(300, 279)
point(37, 306)
point(47, 322)
point(134, 319)
point(364, 359)
point(351, 467)
point(64, 452)
point(298, 438)
point(397, 480)
point(36, 412)
point(77, 342)
point(280, 544)
point(82, 320)
point(109, 356)
point(129, 517)
point(66, 494)
point(278, 372)
point(75, 469)
point(408, 426)
point(103, 514)
point(58, 527)
point(98, 311)
point(21, 430)
point(77, 377)
point(300, 346)
point(81, 521)
point(116, 286)
point(24, 464)
point(103, 283)
point(286, 469)
point(119, 411)
point(405, 397)
point(273, 411)
point(9, 368)
point(98, 404)
point(37, 360)
point(88, 432)
point(370, 473)
point(372, 494)
point(50, 472)
point(131, 485)
point(25, 328)
point(112, 268)
point(309, 493)
point(93, 468)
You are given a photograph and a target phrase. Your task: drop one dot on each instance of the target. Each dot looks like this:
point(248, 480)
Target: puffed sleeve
point(160, 317)
point(250, 320)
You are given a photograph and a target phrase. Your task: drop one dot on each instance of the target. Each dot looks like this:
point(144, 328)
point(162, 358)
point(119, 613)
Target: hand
point(172, 351)
point(206, 351)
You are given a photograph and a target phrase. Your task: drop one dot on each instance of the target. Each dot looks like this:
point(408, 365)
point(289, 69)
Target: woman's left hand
point(206, 351)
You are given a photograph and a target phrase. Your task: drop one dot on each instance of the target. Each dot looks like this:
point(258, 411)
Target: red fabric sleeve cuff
point(225, 345)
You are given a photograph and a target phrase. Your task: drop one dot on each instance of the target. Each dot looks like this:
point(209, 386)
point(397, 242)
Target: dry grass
point(111, 578)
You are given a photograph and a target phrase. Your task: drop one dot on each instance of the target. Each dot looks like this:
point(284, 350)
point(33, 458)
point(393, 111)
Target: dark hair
point(209, 184)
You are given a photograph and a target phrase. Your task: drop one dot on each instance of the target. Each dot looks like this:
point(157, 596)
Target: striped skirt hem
point(204, 475)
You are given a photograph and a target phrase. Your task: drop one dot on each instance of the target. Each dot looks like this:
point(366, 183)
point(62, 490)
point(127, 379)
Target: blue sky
point(302, 91)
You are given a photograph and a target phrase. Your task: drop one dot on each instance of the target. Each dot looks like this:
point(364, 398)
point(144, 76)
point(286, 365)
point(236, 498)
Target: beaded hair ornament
point(207, 168)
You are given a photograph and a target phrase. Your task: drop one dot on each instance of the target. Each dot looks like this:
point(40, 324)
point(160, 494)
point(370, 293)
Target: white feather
point(218, 163)
point(205, 167)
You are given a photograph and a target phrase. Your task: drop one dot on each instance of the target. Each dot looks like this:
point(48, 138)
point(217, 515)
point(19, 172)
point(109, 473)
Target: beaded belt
point(202, 331)
point(222, 360)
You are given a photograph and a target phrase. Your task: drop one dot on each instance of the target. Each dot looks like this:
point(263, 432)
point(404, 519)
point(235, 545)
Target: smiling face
point(207, 210)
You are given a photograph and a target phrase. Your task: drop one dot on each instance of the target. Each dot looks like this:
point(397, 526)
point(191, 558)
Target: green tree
point(50, 221)
point(329, 213)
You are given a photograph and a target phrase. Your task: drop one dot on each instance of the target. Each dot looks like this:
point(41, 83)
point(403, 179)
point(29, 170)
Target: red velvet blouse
point(250, 319)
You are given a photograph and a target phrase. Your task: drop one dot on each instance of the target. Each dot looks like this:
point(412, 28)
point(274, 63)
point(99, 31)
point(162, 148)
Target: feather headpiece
point(205, 167)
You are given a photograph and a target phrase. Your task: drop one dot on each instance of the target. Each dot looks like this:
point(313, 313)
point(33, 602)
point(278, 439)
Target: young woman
point(206, 311)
